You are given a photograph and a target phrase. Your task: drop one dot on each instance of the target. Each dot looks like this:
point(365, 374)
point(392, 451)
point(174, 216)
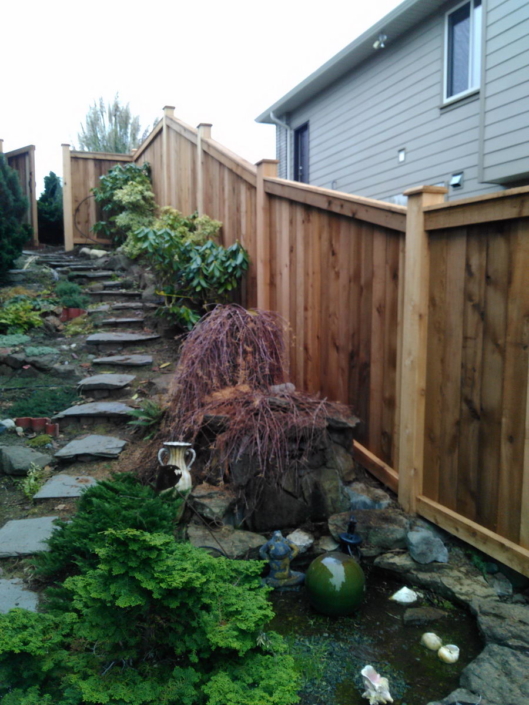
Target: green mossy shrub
point(120, 503)
point(145, 620)
point(127, 200)
point(13, 208)
point(13, 340)
point(50, 211)
point(43, 402)
point(40, 441)
point(71, 295)
point(40, 351)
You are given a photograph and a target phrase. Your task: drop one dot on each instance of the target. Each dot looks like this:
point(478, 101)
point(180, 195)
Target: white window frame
point(474, 53)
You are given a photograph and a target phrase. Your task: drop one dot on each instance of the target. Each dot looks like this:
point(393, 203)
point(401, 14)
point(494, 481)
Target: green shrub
point(13, 208)
point(147, 417)
point(71, 295)
point(33, 481)
point(9, 341)
point(154, 622)
point(18, 317)
point(191, 273)
point(43, 402)
point(127, 200)
point(50, 212)
point(121, 503)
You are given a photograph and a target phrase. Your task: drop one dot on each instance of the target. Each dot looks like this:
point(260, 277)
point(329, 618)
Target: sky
point(218, 62)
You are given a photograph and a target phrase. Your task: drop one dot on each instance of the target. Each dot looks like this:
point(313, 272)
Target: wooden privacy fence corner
point(22, 160)
point(417, 317)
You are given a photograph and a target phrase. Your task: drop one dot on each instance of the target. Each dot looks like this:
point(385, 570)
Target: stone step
point(65, 268)
point(90, 447)
point(111, 411)
point(116, 341)
point(13, 593)
point(64, 486)
point(91, 276)
point(105, 385)
point(125, 322)
point(23, 537)
point(104, 308)
point(115, 295)
point(116, 284)
point(134, 304)
point(125, 360)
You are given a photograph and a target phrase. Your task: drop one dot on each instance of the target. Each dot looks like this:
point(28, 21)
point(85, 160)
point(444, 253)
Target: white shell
point(377, 687)
point(405, 596)
point(431, 641)
point(8, 423)
point(449, 653)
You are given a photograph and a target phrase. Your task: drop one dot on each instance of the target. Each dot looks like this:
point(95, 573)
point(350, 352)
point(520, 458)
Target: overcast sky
point(222, 62)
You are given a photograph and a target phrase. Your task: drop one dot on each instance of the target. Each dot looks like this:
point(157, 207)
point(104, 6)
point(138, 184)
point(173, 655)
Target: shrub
point(49, 208)
point(71, 295)
point(13, 207)
point(192, 272)
point(43, 402)
point(18, 317)
point(127, 200)
point(153, 622)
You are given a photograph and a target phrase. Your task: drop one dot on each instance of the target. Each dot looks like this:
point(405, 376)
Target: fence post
point(414, 344)
point(168, 111)
point(67, 205)
point(204, 132)
point(266, 167)
point(1, 146)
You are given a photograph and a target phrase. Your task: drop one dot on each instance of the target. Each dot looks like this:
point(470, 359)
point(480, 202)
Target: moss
point(40, 441)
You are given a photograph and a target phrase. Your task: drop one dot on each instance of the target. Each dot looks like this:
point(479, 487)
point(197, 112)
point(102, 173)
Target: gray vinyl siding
point(505, 99)
point(393, 101)
point(281, 152)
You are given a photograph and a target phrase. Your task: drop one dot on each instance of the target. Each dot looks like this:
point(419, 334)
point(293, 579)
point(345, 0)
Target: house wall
point(392, 102)
point(505, 100)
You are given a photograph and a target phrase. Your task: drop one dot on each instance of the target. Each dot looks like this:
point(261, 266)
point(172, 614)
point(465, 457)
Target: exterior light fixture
point(380, 43)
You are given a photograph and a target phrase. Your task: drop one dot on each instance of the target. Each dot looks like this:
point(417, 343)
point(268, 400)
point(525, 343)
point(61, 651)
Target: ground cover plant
point(21, 309)
point(136, 617)
point(71, 295)
point(41, 402)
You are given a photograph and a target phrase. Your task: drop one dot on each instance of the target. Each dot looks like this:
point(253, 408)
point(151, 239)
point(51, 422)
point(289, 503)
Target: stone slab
point(14, 594)
point(122, 321)
point(234, 543)
point(114, 292)
point(112, 409)
point(23, 537)
point(119, 338)
point(94, 446)
point(90, 275)
point(15, 460)
point(128, 304)
point(106, 381)
point(128, 360)
point(65, 486)
point(104, 308)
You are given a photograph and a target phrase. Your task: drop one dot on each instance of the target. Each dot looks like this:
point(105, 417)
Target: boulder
point(303, 540)
point(234, 543)
point(500, 584)
point(363, 496)
point(461, 695)
point(425, 548)
point(278, 509)
point(212, 502)
point(503, 624)
point(16, 460)
point(381, 529)
point(500, 675)
point(324, 493)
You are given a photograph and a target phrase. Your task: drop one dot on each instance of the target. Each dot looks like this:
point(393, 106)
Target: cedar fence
point(23, 162)
point(417, 317)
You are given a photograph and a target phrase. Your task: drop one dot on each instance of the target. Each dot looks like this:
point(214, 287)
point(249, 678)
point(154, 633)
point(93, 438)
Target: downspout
point(289, 130)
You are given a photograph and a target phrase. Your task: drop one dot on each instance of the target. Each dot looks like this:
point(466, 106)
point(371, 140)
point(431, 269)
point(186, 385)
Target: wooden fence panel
point(23, 162)
point(151, 151)
point(335, 280)
point(477, 373)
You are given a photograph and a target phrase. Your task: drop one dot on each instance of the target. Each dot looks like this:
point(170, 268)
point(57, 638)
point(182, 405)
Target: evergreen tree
point(111, 128)
point(13, 207)
point(49, 206)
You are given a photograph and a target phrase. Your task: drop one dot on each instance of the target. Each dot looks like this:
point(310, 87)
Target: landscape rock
point(425, 548)
point(212, 502)
point(363, 496)
point(500, 584)
point(105, 381)
point(324, 493)
point(503, 624)
point(235, 543)
point(107, 409)
point(23, 537)
point(326, 544)
point(381, 529)
point(13, 593)
point(461, 695)
point(303, 540)
point(127, 360)
point(460, 583)
point(422, 615)
point(65, 486)
point(92, 446)
point(338, 457)
point(500, 675)
point(16, 460)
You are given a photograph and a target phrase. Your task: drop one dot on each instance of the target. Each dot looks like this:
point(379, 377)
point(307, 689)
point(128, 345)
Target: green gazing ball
point(335, 583)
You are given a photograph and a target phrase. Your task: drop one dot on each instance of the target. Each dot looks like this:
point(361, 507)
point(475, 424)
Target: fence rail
point(417, 317)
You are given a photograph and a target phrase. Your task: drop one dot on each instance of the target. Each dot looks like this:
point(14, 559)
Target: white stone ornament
point(405, 596)
point(431, 641)
point(376, 687)
point(449, 653)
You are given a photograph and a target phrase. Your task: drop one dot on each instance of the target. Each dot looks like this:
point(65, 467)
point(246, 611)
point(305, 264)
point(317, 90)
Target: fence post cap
point(65, 144)
point(267, 161)
point(416, 190)
point(204, 124)
point(169, 110)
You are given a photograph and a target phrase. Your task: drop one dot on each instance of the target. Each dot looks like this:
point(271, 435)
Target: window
point(463, 49)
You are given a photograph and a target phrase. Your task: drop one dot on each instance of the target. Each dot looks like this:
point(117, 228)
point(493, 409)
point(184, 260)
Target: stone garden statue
point(278, 551)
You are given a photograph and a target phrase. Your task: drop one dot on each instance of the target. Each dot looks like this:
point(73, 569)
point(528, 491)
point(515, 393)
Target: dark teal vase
point(335, 583)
